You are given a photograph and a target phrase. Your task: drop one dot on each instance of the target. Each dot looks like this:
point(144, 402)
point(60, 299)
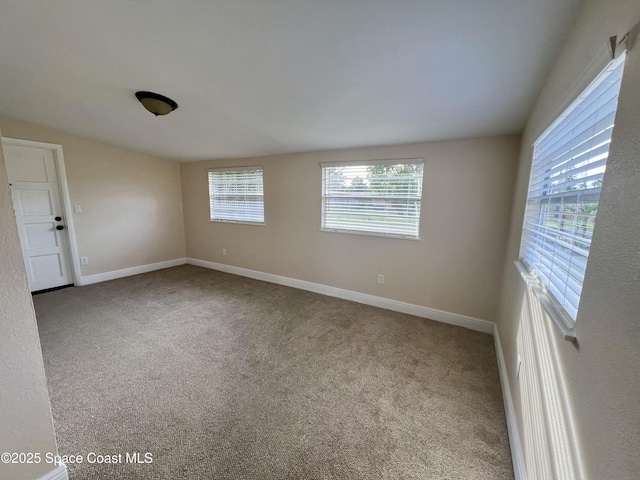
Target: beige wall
point(456, 266)
point(599, 376)
point(131, 202)
point(25, 416)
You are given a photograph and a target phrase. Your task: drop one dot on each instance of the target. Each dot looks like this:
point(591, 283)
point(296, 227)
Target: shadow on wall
point(549, 439)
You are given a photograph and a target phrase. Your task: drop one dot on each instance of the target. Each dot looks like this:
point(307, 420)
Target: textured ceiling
point(259, 77)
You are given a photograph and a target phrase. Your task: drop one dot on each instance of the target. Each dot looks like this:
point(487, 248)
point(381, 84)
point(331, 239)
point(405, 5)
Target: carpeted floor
point(222, 377)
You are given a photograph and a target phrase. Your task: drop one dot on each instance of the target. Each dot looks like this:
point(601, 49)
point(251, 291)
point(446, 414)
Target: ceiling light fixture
point(156, 103)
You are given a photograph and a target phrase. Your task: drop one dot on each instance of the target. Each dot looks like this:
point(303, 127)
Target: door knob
point(60, 227)
point(58, 219)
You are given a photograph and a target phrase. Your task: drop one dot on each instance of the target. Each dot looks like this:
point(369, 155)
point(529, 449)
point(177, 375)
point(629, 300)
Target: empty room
point(337, 239)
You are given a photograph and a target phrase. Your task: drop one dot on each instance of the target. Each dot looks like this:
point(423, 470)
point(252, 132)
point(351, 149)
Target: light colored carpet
point(223, 377)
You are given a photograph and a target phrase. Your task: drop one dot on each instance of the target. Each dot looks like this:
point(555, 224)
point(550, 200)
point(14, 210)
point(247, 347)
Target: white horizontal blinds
point(236, 194)
point(379, 197)
point(568, 167)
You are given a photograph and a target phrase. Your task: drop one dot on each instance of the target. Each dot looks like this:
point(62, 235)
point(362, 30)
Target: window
point(236, 195)
point(569, 162)
point(377, 198)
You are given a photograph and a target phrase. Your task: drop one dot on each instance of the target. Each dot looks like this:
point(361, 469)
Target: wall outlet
point(77, 209)
point(84, 260)
point(380, 279)
point(224, 252)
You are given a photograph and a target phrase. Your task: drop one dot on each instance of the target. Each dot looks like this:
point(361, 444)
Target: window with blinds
point(569, 162)
point(236, 195)
point(377, 198)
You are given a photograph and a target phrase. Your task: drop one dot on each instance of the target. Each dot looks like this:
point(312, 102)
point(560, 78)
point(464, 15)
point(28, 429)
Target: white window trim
point(236, 169)
point(361, 163)
point(564, 322)
point(356, 163)
point(239, 222)
point(369, 234)
point(555, 312)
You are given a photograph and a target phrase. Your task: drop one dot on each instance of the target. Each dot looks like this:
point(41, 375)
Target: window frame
point(370, 163)
point(236, 169)
point(541, 290)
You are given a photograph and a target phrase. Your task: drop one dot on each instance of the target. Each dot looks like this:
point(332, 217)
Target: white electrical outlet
point(77, 209)
point(224, 252)
point(84, 260)
point(380, 279)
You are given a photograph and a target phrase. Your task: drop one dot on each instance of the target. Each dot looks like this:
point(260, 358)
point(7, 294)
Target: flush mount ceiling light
point(156, 103)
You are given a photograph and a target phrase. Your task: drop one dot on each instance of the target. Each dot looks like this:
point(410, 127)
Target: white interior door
point(39, 214)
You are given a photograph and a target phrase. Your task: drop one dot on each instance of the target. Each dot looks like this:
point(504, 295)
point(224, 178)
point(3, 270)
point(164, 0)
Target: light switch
point(77, 209)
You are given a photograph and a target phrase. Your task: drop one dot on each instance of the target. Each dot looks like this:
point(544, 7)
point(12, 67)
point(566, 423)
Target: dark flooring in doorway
point(223, 377)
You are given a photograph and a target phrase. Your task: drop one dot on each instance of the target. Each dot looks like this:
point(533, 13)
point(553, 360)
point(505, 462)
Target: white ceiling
point(259, 77)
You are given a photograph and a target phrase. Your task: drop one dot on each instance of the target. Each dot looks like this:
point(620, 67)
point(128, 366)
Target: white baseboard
point(394, 305)
point(517, 455)
point(127, 272)
point(58, 473)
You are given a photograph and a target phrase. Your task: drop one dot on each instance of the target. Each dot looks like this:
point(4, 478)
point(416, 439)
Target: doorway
point(41, 203)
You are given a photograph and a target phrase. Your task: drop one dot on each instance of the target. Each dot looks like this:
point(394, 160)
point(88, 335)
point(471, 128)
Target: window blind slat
point(585, 158)
point(568, 167)
point(380, 197)
point(236, 194)
point(581, 108)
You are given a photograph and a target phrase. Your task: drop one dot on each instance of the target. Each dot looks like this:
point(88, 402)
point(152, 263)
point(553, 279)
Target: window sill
point(369, 234)
point(238, 222)
point(566, 326)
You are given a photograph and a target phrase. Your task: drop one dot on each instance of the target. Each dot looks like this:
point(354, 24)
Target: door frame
point(63, 187)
